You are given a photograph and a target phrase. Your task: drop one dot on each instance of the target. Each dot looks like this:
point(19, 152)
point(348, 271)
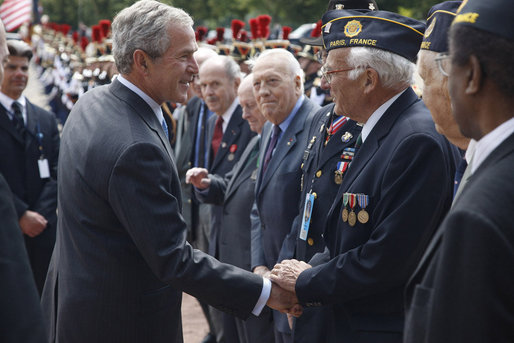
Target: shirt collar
point(7, 103)
point(375, 117)
point(485, 146)
point(285, 124)
point(156, 108)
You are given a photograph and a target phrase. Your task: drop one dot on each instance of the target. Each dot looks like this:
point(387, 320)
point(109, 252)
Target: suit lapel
point(243, 169)
point(285, 144)
point(141, 109)
point(266, 136)
point(229, 137)
point(370, 146)
point(6, 123)
point(507, 147)
point(334, 144)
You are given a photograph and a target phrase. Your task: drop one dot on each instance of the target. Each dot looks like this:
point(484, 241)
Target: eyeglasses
point(327, 74)
point(442, 63)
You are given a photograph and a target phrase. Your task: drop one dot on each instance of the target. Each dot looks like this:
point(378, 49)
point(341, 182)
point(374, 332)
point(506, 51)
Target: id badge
point(306, 218)
point(44, 170)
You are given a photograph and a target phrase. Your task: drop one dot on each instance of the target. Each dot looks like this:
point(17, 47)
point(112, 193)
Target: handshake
point(283, 281)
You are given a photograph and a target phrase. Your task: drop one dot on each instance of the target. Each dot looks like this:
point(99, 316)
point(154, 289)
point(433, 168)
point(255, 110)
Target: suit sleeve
point(141, 194)
point(415, 193)
point(287, 251)
point(473, 284)
point(215, 193)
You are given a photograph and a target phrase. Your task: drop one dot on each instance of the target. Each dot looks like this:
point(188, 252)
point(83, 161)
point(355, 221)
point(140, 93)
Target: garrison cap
point(375, 29)
point(439, 20)
point(317, 40)
point(493, 16)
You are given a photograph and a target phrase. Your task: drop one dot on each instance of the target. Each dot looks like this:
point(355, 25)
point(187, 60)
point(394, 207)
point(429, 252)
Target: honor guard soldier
point(394, 192)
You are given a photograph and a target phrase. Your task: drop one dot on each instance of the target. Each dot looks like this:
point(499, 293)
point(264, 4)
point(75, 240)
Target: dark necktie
point(201, 142)
point(271, 147)
point(461, 168)
point(358, 143)
point(17, 119)
point(217, 136)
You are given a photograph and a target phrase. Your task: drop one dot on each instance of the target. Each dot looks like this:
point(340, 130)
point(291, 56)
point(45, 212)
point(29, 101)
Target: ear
point(370, 80)
point(141, 60)
point(474, 76)
point(298, 85)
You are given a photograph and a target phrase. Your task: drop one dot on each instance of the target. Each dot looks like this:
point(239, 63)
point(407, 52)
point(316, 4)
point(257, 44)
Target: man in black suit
point(236, 193)
point(278, 89)
point(227, 135)
point(462, 288)
point(395, 191)
point(121, 260)
point(28, 160)
point(21, 319)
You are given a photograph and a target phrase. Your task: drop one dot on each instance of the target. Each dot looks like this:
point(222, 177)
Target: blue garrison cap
point(375, 29)
point(493, 16)
point(440, 18)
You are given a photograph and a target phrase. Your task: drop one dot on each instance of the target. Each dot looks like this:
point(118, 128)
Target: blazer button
point(315, 195)
point(310, 241)
point(188, 201)
point(318, 174)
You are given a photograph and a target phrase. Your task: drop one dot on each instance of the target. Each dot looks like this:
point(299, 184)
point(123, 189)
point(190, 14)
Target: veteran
point(462, 288)
point(396, 189)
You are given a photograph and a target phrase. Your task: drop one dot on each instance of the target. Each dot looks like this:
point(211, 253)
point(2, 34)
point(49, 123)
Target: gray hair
point(232, 69)
point(144, 25)
point(292, 62)
point(393, 70)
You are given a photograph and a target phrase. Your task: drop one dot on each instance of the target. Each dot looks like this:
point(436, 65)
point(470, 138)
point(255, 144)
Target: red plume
point(286, 30)
point(220, 32)
point(96, 33)
point(254, 27)
point(75, 37)
point(84, 42)
point(243, 36)
point(316, 31)
point(105, 25)
point(236, 26)
point(264, 21)
point(202, 32)
point(212, 41)
point(65, 28)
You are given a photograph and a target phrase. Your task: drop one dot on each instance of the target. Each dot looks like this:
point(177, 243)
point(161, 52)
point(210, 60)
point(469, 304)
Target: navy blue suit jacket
point(406, 168)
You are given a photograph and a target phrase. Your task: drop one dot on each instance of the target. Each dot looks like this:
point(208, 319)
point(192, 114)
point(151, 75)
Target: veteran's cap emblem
point(352, 28)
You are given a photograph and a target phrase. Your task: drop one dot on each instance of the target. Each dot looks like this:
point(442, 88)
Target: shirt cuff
point(263, 298)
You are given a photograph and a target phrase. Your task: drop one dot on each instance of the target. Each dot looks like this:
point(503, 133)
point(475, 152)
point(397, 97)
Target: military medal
point(363, 215)
point(223, 145)
point(344, 215)
point(346, 137)
point(232, 150)
point(352, 217)
point(338, 174)
point(348, 154)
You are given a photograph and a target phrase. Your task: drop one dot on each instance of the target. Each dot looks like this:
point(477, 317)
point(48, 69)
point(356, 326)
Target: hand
point(284, 301)
point(32, 223)
point(198, 178)
point(290, 320)
point(286, 273)
point(262, 271)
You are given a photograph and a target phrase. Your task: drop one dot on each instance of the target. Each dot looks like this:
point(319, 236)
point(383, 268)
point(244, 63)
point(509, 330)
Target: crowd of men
point(313, 180)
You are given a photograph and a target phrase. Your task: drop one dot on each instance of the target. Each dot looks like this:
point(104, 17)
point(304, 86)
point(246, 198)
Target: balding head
point(251, 112)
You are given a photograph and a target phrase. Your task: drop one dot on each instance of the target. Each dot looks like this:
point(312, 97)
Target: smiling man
point(121, 260)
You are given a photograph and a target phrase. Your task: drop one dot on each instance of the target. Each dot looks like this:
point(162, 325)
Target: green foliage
point(213, 13)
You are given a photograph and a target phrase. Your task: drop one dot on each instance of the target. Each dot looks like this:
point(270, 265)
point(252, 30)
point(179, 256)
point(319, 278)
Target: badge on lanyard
point(306, 218)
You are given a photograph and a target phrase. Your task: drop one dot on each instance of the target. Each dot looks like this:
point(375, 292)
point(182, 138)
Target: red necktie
point(217, 136)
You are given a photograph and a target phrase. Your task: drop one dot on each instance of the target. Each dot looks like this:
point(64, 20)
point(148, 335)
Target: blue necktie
point(165, 128)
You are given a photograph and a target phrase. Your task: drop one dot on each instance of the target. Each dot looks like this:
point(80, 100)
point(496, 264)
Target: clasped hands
point(283, 277)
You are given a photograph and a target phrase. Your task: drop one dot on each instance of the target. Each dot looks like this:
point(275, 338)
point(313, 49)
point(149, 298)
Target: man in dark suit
point(278, 89)
point(227, 135)
point(28, 160)
point(21, 319)
point(236, 193)
point(461, 290)
point(121, 260)
point(397, 188)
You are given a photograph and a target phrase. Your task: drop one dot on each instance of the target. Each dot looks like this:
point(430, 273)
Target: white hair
point(393, 70)
point(144, 25)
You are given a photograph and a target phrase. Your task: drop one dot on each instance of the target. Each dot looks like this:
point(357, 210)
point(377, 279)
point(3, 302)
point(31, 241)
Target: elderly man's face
point(170, 75)
point(251, 112)
point(275, 88)
point(436, 96)
point(348, 94)
point(218, 89)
